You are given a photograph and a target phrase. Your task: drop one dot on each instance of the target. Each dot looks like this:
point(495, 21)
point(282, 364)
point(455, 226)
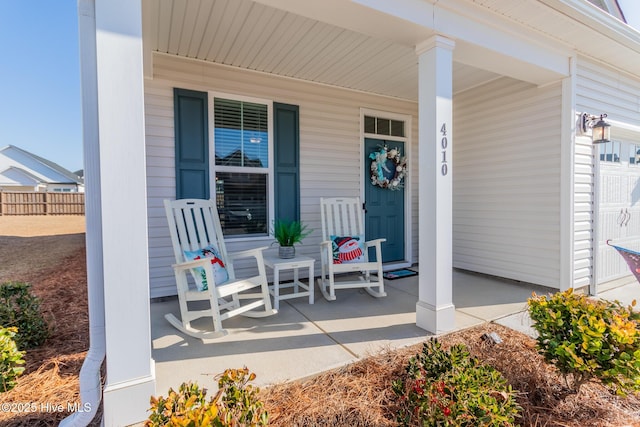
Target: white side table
point(278, 264)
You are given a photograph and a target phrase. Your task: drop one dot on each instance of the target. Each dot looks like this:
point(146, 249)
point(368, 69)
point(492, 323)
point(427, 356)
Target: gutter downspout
point(90, 383)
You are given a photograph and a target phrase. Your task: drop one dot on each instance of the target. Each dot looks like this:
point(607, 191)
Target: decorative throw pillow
point(348, 249)
point(220, 274)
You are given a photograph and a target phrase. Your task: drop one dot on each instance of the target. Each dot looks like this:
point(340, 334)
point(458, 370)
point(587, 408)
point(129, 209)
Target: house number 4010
point(444, 143)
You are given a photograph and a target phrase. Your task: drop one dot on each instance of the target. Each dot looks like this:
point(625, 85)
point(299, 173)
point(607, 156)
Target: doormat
point(399, 274)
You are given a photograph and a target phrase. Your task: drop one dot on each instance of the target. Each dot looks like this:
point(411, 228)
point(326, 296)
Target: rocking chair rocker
point(199, 248)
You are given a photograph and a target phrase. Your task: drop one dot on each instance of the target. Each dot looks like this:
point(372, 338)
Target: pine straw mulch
point(360, 394)
point(51, 378)
point(356, 395)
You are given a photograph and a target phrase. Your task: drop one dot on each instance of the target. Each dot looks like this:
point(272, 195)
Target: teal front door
point(384, 208)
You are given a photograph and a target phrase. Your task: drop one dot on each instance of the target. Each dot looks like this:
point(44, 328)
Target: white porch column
point(435, 311)
point(130, 377)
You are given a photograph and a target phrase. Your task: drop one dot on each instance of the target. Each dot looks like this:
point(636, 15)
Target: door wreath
point(388, 168)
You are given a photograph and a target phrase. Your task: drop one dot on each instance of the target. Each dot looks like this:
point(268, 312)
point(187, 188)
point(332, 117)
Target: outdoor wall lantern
point(601, 130)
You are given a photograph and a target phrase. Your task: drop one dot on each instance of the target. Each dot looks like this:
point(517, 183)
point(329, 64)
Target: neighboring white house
point(21, 170)
point(485, 97)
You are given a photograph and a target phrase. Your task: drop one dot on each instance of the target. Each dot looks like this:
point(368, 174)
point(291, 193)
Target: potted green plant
point(287, 233)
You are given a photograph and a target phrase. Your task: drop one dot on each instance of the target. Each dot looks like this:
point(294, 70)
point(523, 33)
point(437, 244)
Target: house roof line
point(599, 21)
point(24, 172)
point(35, 178)
point(73, 179)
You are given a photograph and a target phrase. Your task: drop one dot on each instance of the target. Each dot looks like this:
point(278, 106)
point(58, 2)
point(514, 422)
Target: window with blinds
point(241, 133)
point(241, 146)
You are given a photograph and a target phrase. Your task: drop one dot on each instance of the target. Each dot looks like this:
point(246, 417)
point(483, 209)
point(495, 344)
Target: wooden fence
point(34, 203)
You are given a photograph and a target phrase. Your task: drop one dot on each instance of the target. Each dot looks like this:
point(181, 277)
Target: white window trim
point(213, 168)
point(386, 115)
point(632, 148)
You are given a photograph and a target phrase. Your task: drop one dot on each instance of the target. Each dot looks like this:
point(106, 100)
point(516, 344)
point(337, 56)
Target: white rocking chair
point(195, 228)
point(343, 249)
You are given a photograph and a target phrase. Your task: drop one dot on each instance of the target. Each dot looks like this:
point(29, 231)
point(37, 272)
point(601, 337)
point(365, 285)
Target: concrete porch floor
point(303, 339)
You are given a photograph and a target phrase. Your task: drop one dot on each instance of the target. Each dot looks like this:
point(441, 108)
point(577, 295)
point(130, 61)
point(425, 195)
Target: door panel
point(384, 217)
point(619, 209)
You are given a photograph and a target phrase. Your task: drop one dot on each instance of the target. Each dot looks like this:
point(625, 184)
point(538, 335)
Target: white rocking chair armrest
point(188, 265)
point(326, 247)
point(248, 253)
point(374, 242)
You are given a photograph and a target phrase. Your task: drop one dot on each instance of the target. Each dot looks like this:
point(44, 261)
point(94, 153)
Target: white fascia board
point(613, 8)
point(497, 62)
point(598, 21)
point(624, 130)
point(490, 41)
point(485, 41)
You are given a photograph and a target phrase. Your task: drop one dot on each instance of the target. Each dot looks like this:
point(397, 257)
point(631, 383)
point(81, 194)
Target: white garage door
point(619, 204)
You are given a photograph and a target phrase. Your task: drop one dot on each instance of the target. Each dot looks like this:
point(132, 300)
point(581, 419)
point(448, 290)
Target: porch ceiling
point(348, 44)
point(246, 34)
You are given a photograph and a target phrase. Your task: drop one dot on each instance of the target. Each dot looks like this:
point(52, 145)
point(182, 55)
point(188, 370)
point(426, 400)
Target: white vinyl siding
point(506, 181)
point(583, 212)
point(330, 146)
point(604, 90)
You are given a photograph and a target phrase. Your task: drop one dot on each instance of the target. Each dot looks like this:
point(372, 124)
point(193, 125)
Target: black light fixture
point(601, 130)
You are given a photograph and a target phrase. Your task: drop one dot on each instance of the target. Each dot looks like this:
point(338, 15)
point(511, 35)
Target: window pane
point(397, 128)
point(241, 133)
point(369, 124)
point(241, 199)
point(383, 127)
point(616, 151)
point(634, 154)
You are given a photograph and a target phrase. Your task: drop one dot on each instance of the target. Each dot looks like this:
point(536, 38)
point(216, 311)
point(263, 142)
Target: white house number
point(444, 143)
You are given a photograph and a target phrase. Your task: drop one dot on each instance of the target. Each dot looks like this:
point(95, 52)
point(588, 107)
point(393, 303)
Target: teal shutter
point(286, 133)
point(192, 144)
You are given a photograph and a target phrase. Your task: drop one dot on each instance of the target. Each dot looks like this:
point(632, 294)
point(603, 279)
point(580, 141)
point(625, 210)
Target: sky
point(40, 77)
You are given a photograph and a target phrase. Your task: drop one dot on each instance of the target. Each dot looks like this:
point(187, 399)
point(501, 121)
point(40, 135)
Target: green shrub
point(10, 359)
point(588, 339)
point(237, 400)
point(450, 388)
point(188, 406)
point(235, 404)
point(21, 309)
